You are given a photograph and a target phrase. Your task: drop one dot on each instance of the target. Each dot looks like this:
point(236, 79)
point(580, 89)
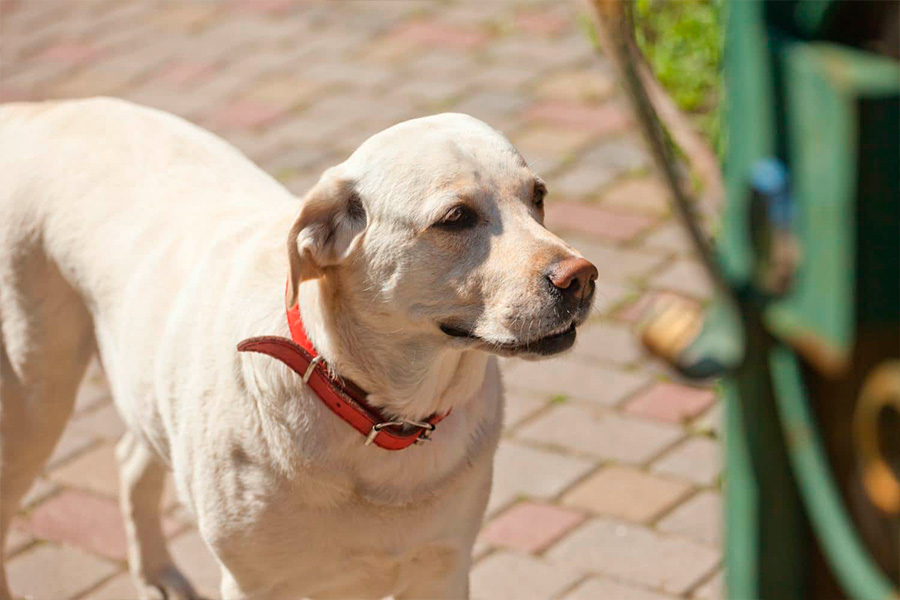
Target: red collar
point(343, 397)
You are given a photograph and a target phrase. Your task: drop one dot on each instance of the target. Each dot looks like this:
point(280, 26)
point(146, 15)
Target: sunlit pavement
point(607, 478)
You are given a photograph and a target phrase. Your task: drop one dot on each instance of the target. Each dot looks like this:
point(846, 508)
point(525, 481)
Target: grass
point(682, 41)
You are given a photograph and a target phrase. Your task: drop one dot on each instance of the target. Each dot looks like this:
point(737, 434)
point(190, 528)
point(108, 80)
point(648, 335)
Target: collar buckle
point(423, 436)
point(312, 367)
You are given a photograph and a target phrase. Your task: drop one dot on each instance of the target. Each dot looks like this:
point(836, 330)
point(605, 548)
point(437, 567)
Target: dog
point(131, 234)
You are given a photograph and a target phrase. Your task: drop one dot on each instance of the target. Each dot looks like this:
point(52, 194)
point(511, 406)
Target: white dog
point(131, 233)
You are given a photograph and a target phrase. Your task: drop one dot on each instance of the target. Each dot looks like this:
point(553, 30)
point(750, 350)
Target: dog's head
point(435, 227)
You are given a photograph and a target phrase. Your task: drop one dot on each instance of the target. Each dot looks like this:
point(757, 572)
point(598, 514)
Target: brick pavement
point(607, 478)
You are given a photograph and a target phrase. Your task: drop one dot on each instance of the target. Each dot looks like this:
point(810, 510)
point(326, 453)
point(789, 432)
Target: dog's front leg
point(141, 481)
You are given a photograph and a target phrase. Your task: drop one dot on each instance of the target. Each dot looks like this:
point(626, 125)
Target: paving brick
point(713, 589)
point(73, 441)
point(616, 264)
point(671, 402)
point(519, 406)
point(40, 490)
point(105, 422)
point(575, 379)
point(523, 471)
point(195, 560)
point(699, 518)
point(509, 575)
point(642, 195)
point(635, 554)
point(710, 422)
point(625, 492)
point(608, 342)
point(669, 237)
point(530, 527)
point(430, 90)
point(96, 81)
point(17, 540)
point(539, 54)
point(684, 276)
point(119, 587)
point(600, 588)
point(600, 166)
point(272, 7)
point(496, 108)
point(610, 295)
point(93, 391)
point(73, 572)
point(580, 87)
point(183, 17)
point(283, 91)
point(81, 519)
point(246, 114)
point(590, 219)
point(442, 64)
point(546, 148)
point(70, 53)
point(602, 434)
point(35, 80)
point(506, 77)
point(604, 119)
point(96, 470)
point(435, 34)
point(182, 72)
point(543, 21)
point(697, 459)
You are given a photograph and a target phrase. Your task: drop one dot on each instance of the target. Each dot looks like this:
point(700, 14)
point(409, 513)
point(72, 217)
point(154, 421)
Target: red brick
point(246, 114)
point(530, 527)
point(264, 6)
point(587, 218)
point(430, 33)
point(87, 521)
point(543, 22)
point(603, 119)
point(671, 402)
point(70, 53)
point(184, 72)
point(83, 520)
point(12, 94)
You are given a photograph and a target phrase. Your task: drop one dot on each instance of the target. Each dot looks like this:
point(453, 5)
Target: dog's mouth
point(554, 342)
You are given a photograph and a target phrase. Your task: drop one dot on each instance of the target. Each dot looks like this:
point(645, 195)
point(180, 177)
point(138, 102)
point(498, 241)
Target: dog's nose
point(573, 275)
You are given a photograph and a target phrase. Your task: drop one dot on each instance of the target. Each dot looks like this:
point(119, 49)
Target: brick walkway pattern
point(607, 478)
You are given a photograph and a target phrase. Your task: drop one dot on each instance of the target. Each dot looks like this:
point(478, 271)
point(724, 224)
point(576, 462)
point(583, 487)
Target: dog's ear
point(326, 230)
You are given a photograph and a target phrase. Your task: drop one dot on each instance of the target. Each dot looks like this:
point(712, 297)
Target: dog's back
point(92, 192)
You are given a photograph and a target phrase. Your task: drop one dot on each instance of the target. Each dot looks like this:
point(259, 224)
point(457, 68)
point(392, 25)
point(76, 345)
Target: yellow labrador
point(128, 232)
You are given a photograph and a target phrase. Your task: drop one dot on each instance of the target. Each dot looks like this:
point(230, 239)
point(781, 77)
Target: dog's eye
point(540, 191)
point(458, 217)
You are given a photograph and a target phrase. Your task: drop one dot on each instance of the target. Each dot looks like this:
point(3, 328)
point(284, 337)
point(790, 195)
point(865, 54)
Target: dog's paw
point(167, 583)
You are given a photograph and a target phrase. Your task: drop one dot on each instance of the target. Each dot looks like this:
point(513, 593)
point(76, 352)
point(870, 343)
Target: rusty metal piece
point(672, 325)
point(880, 392)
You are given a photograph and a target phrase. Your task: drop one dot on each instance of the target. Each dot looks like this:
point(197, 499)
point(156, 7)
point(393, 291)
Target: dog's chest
point(353, 548)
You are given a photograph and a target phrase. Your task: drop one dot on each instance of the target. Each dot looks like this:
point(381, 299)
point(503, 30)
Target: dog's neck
point(408, 376)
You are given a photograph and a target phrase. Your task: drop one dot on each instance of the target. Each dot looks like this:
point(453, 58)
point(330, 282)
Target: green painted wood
point(845, 553)
point(751, 128)
point(825, 86)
